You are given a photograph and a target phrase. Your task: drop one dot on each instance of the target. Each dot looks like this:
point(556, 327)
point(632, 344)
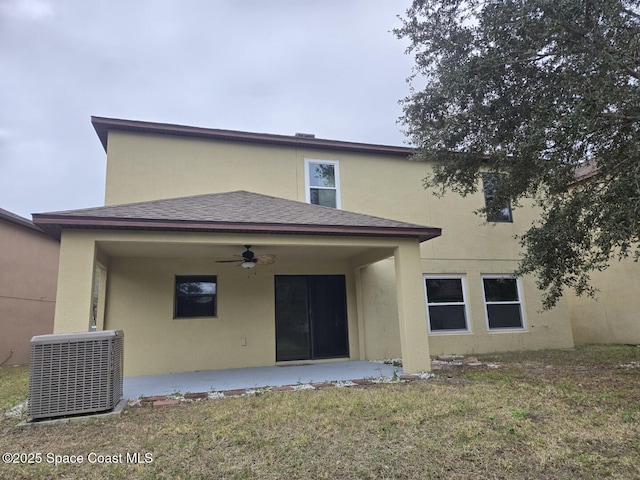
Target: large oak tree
point(535, 90)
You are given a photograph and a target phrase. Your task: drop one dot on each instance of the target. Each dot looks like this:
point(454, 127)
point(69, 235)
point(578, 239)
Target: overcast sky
point(328, 67)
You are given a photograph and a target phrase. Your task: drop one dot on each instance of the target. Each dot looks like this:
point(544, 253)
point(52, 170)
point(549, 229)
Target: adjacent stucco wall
point(614, 315)
point(28, 275)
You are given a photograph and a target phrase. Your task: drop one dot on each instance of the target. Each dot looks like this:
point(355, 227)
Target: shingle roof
point(18, 220)
point(238, 211)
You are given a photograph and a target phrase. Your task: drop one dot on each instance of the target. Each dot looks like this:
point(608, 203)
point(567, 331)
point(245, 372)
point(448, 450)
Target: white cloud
point(33, 10)
point(331, 68)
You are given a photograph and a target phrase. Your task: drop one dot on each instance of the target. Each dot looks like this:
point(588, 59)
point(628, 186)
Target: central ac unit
point(75, 373)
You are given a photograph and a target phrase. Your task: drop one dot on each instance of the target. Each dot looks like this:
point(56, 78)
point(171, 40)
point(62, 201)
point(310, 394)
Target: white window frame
point(520, 303)
point(488, 196)
point(464, 303)
point(307, 180)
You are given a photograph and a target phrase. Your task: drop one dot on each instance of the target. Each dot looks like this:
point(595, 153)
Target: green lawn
point(553, 414)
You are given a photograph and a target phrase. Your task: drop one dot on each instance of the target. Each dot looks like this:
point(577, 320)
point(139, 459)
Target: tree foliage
point(535, 89)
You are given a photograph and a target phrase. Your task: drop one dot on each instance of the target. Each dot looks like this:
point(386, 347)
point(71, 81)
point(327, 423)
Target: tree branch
point(623, 118)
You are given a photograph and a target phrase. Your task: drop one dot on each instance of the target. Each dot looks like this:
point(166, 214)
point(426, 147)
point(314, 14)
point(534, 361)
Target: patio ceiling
point(283, 253)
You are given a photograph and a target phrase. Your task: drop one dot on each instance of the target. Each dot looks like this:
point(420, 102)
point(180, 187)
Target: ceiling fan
point(249, 260)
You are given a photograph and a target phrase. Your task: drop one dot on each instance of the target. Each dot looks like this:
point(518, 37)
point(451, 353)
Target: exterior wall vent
point(305, 135)
point(75, 373)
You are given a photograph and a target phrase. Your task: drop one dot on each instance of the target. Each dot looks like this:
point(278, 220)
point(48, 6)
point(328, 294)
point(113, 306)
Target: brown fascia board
point(585, 171)
point(53, 224)
point(103, 125)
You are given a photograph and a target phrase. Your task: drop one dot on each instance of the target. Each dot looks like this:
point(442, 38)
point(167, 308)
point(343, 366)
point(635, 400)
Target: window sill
point(450, 332)
point(507, 330)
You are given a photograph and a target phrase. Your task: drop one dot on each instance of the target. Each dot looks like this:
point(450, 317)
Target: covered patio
point(255, 377)
point(305, 305)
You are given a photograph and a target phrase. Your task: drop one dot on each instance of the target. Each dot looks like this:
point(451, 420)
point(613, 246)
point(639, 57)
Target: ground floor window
point(446, 303)
point(502, 302)
point(195, 296)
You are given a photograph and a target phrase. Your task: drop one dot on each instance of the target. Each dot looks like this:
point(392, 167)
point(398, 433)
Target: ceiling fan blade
point(265, 259)
point(249, 257)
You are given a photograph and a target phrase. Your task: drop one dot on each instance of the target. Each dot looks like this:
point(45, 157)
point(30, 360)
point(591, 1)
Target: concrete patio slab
point(243, 378)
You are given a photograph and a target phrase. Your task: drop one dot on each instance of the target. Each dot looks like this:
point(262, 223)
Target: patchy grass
point(14, 386)
point(555, 414)
point(582, 356)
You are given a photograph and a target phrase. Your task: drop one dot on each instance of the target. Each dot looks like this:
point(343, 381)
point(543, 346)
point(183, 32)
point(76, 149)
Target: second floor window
point(322, 179)
point(500, 213)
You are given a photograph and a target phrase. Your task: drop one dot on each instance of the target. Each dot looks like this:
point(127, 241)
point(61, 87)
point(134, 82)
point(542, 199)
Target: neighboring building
point(613, 315)
point(368, 265)
point(28, 276)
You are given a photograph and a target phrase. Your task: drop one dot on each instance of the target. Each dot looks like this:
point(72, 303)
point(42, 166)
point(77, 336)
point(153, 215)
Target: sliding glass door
point(311, 317)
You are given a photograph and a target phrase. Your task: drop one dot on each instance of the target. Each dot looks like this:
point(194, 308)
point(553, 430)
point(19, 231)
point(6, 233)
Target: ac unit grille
point(72, 374)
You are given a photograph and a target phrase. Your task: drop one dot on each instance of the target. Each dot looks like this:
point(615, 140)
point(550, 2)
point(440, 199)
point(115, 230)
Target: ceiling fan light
point(248, 264)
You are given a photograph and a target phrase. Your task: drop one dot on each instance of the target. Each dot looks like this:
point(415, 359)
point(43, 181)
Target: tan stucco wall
point(381, 332)
point(542, 329)
point(140, 302)
point(141, 269)
point(150, 167)
point(28, 276)
point(614, 315)
point(146, 167)
point(75, 283)
point(414, 341)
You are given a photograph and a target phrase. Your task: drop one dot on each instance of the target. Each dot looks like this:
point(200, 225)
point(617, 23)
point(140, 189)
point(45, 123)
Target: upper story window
point(496, 214)
point(322, 182)
point(195, 296)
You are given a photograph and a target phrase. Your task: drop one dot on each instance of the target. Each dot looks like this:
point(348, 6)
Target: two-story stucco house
point(339, 252)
